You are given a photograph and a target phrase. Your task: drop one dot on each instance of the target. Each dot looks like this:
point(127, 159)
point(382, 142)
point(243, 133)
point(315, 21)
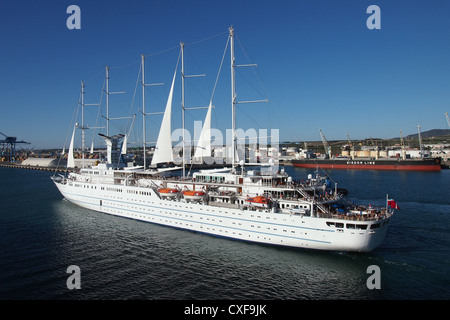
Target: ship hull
point(399, 165)
point(270, 228)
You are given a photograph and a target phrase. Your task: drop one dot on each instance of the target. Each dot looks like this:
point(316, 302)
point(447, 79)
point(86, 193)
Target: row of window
point(191, 225)
point(355, 226)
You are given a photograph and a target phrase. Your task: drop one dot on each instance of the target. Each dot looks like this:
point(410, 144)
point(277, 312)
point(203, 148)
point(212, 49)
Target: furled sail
point(204, 142)
point(163, 150)
point(70, 158)
point(124, 145)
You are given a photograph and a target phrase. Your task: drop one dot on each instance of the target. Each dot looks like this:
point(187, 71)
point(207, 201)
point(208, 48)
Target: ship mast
point(143, 111)
point(233, 96)
point(107, 101)
point(83, 127)
point(183, 107)
point(82, 122)
point(144, 142)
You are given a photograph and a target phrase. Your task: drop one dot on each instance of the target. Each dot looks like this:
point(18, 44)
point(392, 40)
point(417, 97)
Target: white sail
point(70, 158)
point(163, 149)
point(124, 145)
point(204, 142)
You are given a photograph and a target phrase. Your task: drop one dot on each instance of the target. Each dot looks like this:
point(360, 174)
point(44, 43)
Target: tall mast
point(83, 127)
point(82, 121)
point(182, 106)
point(107, 100)
point(143, 111)
point(144, 139)
point(233, 97)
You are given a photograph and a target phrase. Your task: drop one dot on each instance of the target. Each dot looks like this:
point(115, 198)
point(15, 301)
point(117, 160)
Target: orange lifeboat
point(258, 201)
point(193, 195)
point(168, 192)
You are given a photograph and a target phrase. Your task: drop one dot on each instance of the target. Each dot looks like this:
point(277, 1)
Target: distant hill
point(431, 133)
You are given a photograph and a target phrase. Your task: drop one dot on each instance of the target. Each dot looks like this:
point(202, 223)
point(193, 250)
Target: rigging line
point(74, 117)
point(258, 77)
point(161, 52)
point(206, 39)
point(191, 43)
point(220, 68)
point(96, 76)
point(250, 118)
point(126, 65)
point(256, 73)
point(98, 111)
point(203, 71)
point(134, 96)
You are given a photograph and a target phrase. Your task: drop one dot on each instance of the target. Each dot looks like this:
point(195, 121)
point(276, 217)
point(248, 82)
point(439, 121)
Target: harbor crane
point(8, 147)
point(325, 145)
point(402, 142)
point(420, 141)
point(352, 147)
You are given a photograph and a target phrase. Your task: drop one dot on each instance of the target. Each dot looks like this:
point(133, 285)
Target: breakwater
point(29, 167)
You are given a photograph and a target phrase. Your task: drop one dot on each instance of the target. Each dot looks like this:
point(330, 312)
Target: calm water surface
point(41, 235)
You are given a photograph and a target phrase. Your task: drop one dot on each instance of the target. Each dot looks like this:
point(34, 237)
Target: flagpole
point(387, 198)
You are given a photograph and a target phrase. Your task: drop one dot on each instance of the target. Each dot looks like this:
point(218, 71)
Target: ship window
point(361, 226)
point(350, 226)
point(339, 225)
point(374, 226)
point(330, 224)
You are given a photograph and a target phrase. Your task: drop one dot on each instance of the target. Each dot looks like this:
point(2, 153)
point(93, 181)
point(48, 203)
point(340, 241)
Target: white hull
point(248, 225)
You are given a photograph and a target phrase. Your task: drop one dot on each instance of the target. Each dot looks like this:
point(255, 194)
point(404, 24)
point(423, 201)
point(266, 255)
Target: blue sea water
point(41, 235)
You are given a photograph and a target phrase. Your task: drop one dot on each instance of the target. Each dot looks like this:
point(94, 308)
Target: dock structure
point(8, 147)
point(29, 167)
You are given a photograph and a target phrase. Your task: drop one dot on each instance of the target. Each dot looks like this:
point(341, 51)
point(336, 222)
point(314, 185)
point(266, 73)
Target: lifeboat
point(258, 201)
point(193, 195)
point(168, 192)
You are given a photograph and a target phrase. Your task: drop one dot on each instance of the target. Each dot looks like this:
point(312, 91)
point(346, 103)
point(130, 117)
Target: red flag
point(391, 203)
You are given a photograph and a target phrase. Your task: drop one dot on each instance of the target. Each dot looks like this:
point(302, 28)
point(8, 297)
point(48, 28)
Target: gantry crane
point(8, 147)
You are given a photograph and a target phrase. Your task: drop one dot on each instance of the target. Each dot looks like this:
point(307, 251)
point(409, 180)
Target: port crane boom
point(420, 142)
point(325, 144)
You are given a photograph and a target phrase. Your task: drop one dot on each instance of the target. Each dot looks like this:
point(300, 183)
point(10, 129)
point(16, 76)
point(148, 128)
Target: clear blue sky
point(321, 67)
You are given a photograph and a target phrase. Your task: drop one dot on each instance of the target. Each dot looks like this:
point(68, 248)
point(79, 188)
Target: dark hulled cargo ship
point(427, 164)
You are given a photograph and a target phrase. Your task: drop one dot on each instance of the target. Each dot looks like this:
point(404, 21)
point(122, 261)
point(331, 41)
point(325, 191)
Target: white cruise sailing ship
point(262, 205)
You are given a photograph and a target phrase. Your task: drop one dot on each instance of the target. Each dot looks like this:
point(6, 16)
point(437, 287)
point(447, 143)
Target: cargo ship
point(425, 164)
